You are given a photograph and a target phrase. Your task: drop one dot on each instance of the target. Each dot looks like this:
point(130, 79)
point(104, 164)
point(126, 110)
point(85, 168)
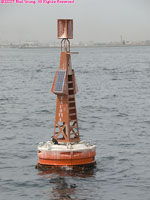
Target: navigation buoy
point(65, 147)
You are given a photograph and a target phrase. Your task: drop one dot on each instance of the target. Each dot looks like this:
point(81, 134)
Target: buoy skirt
point(66, 154)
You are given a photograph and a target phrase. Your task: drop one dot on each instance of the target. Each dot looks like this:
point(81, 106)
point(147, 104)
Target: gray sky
point(94, 20)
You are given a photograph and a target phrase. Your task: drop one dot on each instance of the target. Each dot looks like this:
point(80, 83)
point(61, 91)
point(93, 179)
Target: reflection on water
point(60, 181)
point(61, 189)
point(84, 173)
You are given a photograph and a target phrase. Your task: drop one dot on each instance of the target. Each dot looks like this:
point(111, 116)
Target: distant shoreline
point(82, 46)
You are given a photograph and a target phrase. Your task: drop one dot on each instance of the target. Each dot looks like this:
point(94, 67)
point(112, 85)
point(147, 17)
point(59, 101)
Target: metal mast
point(64, 86)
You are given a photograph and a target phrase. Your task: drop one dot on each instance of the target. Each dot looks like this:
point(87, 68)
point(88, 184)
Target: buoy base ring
point(76, 167)
point(66, 155)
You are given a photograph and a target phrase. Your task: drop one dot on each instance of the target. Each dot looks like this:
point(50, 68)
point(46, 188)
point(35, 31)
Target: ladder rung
point(70, 81)
point(70, 89)
point(71, 101)
point(71, 96)
point(71, 108)
point(73, 120)
point(72, 114)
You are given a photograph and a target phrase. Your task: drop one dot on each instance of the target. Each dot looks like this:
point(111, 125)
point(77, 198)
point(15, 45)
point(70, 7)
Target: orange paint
point(68, 158)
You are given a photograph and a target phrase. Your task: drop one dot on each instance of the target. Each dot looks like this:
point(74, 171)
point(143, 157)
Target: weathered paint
point(66, 154)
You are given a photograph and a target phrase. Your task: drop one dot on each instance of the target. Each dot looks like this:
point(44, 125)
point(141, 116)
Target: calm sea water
point(113, 105)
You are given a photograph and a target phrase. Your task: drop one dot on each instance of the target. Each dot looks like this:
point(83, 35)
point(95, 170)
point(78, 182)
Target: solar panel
point(60, 81)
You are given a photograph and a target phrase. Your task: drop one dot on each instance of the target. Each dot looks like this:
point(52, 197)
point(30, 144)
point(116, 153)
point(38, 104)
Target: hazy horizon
point(94, 20)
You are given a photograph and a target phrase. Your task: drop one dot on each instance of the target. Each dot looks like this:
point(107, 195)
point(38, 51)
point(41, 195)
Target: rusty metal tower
point(64, 86)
